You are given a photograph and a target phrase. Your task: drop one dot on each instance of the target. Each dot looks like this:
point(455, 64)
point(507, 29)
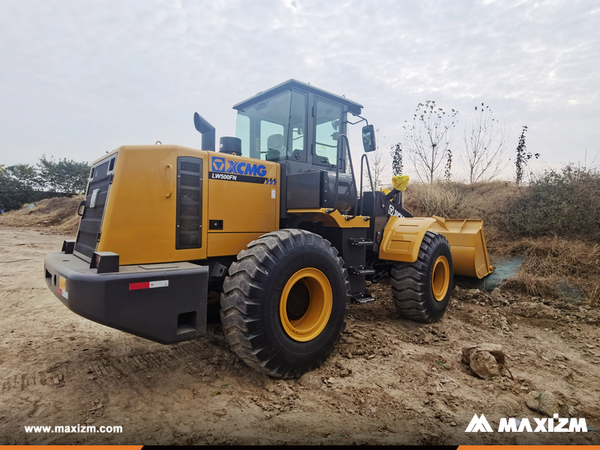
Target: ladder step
point(361, 270)
point(360, 242)
point(362, 298)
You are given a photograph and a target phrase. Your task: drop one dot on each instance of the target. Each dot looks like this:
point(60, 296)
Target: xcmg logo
point(238, 167)
point(218, 164)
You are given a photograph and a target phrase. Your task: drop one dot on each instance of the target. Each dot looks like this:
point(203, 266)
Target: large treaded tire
point(283, 265)
point(421, 290)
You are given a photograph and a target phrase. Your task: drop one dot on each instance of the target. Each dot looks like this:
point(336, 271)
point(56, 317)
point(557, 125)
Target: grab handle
point(169, 180)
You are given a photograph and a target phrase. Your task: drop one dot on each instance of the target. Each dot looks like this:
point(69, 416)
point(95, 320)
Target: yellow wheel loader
point(271, 231)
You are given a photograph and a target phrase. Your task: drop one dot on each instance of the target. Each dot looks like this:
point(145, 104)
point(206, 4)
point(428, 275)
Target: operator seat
point(275, 147)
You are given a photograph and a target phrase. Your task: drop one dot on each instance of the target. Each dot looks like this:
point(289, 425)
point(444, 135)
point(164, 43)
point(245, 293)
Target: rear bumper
point(165, 303)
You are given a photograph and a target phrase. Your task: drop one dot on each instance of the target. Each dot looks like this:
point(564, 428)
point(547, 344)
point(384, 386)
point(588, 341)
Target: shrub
point(561, 203)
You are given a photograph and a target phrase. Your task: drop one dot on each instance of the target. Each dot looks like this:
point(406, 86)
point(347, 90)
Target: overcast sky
point(78, 78)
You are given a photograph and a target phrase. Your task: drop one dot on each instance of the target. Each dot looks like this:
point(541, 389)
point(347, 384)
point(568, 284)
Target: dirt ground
point(390, 381)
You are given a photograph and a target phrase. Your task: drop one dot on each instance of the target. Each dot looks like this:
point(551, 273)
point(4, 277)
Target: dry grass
point(484, 201)
point(457, 200)
point(558, 267)
point(59, 214)
point(533, 285)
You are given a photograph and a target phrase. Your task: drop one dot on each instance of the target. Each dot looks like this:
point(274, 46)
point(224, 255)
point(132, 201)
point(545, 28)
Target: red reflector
point(142, 285)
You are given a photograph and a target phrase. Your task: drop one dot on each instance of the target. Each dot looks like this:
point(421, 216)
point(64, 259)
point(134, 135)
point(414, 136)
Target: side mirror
point(368, 136)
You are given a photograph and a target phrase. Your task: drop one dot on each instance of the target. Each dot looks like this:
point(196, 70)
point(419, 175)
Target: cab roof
point(353, 107)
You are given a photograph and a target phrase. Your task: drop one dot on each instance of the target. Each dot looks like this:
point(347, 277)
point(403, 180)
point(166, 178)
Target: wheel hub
point(440, 278)
point(305, 304)
point(298, 301)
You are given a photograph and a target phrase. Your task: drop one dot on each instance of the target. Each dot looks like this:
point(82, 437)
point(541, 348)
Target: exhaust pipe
point(206, 130)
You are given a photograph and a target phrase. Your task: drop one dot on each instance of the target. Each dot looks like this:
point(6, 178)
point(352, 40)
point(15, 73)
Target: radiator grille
point(89, 226)
point(189, 203)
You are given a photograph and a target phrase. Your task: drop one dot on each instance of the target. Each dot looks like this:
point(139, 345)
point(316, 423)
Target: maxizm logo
point(544, 425)
point(238, 167)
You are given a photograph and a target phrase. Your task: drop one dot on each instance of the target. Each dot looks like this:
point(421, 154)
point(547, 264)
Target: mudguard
point(402, 240)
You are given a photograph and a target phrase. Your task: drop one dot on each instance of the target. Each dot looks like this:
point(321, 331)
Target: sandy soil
point(390, 381)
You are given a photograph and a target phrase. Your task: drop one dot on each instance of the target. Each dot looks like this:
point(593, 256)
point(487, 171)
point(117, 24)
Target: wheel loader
point(272, 231)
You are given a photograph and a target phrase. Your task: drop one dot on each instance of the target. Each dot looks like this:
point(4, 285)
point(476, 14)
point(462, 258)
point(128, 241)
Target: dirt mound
point(58, 214)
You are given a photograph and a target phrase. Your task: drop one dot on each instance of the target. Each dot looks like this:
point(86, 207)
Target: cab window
point(272, 143)
point(242, 131)
point(297, 144)
point(328, 118)
point(262, 127)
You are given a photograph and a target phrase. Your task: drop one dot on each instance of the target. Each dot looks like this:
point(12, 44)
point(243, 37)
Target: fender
point(402, 240)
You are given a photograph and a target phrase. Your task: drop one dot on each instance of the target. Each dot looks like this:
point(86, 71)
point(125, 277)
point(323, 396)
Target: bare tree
point(484, 146)
point(448, 167)
point(427, 139)
point(522, 159)
point(397, 159)
point(522, 156)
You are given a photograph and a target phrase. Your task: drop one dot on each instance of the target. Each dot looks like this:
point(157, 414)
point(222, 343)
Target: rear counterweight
point(165, 303)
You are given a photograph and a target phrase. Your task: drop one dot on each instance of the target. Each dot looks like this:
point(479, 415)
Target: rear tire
point(422, 289)
point(284, 303)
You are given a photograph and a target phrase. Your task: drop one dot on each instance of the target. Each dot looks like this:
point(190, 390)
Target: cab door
point(328, 124)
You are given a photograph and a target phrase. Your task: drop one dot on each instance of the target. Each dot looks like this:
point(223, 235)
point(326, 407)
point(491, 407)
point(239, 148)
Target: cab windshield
point(277, 129)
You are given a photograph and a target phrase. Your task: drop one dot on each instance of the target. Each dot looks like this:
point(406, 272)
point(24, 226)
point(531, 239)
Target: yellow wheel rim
point(314, 291)
point(440, 278)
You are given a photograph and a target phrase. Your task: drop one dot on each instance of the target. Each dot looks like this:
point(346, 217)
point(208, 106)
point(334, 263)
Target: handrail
point(337, 170)
point(364, 157)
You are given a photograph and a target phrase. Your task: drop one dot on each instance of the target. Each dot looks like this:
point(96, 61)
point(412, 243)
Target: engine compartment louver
point(189, 203)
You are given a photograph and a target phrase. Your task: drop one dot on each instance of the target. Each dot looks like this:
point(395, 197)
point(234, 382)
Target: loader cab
point(295, 124)
point(299, 126)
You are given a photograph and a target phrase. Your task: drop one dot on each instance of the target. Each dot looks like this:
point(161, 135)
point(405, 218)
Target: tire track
point(163, 359)
point(22, 381)
point(167, 358)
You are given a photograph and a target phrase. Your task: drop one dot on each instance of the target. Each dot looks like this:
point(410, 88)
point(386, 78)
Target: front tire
point(284, 303)
point(421, 290)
